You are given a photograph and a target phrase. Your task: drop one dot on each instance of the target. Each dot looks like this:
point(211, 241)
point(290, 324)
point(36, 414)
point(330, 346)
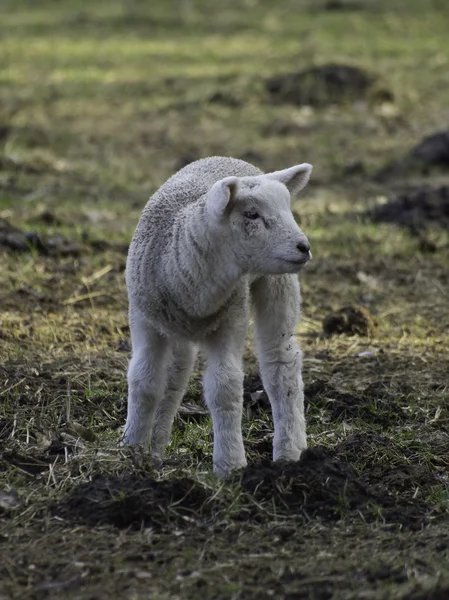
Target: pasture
point(100, 103)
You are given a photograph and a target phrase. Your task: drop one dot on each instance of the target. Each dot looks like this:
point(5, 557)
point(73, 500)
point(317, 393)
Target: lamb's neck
point(201, 269)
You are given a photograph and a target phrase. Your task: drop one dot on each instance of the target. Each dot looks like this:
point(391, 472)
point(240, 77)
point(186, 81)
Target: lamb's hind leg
point(147, 376)
point(277, 303)
point(182, 362)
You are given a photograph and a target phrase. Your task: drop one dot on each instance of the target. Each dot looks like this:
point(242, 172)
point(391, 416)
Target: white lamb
point(215, 237)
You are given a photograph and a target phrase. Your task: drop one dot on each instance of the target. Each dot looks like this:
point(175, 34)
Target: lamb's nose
point(303, 246)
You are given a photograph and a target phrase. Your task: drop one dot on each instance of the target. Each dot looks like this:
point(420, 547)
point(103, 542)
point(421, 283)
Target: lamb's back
point(191, 183)
point(200, 175)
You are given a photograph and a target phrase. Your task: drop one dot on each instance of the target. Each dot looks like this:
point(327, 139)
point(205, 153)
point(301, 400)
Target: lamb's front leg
point(223, 389)
point(277, 303)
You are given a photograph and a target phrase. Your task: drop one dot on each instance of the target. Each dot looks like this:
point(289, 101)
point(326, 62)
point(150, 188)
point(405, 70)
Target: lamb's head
point(253, 216)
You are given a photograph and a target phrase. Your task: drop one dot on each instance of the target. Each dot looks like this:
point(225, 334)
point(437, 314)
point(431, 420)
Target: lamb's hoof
point(139, 451)
point(291, 455)
point(134, 438)
point(225, 470)
point(157, 458)
point(132, 444)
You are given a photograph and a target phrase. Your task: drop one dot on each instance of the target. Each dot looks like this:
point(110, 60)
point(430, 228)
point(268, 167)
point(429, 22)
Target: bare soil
point(417, 209)
point(325, 85)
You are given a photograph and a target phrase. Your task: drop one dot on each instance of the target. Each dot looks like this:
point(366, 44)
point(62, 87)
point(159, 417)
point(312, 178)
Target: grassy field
point(99, 103)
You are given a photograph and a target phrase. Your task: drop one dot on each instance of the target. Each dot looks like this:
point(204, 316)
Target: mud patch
point(416, 210)
point(324, 85)
point(103, 245)
point(17, 240)
point(324, 485)
point(342, 5)
point(318, 485)
point(433, 150)
point(442, 593)
point(130, 501)
point(430, 155)
point(350, 320)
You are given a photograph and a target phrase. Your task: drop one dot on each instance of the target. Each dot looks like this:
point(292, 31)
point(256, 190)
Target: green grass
point(99, 104)
point(91, 91)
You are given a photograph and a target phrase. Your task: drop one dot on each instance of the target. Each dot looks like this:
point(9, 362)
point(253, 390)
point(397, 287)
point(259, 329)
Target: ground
point(100, 103)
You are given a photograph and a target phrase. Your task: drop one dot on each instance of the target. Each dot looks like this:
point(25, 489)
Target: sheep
point(218, 236)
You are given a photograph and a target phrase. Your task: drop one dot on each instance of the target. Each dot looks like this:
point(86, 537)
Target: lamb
point(216, 238)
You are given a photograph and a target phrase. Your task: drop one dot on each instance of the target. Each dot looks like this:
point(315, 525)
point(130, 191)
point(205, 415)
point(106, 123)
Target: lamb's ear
point(295, 178)
point(221, 196)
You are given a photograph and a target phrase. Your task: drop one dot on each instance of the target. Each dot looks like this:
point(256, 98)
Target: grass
point(99, 105)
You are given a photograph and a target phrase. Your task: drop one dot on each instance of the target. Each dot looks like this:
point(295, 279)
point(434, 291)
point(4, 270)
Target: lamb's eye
point(251, 214)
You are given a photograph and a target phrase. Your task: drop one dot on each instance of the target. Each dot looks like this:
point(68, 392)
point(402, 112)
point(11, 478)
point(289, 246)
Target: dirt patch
point(442, 593)
point(417, 209)
point(340, 5)
point(430, 155)
point(130, 501)
point(17, 240)
point(99, 245)
point(350, 320)
point(323, 484)
point(14, 239)
point(433, 149)
point(318, 485)
point(324, 85)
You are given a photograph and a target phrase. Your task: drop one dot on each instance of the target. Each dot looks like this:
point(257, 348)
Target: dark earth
point(351, 320)
point(419, 209)
point(322, 485)
point(324, 85)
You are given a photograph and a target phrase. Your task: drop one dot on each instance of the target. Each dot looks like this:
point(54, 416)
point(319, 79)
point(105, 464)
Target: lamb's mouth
point(298, 261)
